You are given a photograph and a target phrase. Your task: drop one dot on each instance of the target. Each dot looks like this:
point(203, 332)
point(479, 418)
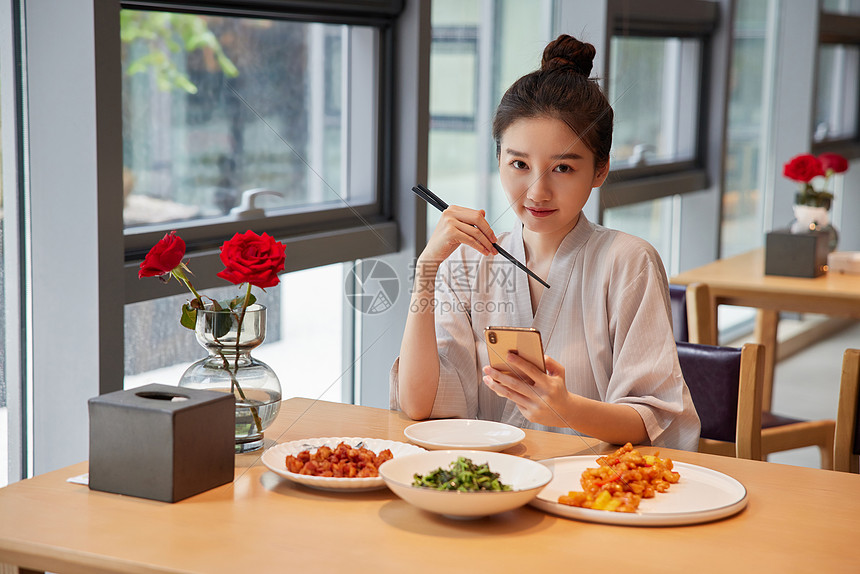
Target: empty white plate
point(467, 434)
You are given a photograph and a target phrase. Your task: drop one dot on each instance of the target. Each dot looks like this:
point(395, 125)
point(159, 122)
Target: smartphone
point(525, 342)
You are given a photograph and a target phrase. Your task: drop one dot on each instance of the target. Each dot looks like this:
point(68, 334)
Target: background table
point(740, 280)
point(797, 520)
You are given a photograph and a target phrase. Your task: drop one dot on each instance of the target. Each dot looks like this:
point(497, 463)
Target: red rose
point(252, 258)
point(803, 168)
point(164, 256)
point(833, 162)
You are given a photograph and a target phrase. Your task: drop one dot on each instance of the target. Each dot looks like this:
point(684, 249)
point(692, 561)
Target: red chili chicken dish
point(622, 480)
point(344, 461)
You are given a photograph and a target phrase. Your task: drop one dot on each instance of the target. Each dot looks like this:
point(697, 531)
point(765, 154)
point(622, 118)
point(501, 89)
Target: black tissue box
point(796, 254)
point(161, 442)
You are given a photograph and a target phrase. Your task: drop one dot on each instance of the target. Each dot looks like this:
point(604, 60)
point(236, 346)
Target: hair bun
point(568, 52)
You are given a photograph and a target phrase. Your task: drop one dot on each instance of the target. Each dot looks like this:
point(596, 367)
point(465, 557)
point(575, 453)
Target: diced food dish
point(463, 475)
point(622, 480)
point(343, 461)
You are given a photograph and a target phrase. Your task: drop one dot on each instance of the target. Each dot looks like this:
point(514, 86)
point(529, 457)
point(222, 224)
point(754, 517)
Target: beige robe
point(606, 319)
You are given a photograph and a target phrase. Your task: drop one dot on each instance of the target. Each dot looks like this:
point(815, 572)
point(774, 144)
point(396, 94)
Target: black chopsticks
point(436, 202)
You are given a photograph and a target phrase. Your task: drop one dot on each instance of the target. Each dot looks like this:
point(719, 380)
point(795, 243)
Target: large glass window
point(742, 221)
point(478, 49)
point(654, 70)
point(654, 73)
point(214, 106)
point(655, 95)
point(742, 218)
point(271, 122)
point(841, 6)
point(837, 92)
point(837, 79)
point(266, 123)
point(650, 220)
point(168, 113)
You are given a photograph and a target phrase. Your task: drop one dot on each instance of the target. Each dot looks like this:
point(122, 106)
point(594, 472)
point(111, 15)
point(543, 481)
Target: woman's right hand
point(459, 226)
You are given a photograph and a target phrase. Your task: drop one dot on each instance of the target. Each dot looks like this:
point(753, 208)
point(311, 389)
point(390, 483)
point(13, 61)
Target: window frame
point(838, 29)
point(696, 19)
point(14, 293)
point(314, 236)
point(74, 272)
point(455, 37)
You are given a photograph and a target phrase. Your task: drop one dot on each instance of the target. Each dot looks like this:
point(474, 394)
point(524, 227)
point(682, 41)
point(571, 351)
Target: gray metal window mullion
point(486, 151)
point(75, 170)
point(381, 333)
point(14, 333)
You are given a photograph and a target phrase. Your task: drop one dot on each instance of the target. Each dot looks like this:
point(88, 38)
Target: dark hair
point(561, 89)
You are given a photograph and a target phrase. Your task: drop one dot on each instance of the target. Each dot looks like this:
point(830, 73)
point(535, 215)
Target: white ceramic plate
point(275, 459)
point(465, 434)
point(525, 477)
point(702, 495)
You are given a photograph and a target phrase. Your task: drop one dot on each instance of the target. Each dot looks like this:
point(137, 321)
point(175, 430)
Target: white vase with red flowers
point(813, 201)
point(230, 329)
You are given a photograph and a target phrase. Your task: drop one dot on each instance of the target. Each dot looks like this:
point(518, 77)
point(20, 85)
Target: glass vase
point(229, 337)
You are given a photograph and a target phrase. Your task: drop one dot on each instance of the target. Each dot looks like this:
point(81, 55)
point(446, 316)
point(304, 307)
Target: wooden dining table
point(796, 520)
point(741, 281)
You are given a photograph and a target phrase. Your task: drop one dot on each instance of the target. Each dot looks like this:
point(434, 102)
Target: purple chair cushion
point(678, 301)
point(771, 420)
point(713, 377)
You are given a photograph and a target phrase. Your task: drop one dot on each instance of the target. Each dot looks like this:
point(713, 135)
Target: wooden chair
point(779, 432)
point(847, 445)
point(726, 386)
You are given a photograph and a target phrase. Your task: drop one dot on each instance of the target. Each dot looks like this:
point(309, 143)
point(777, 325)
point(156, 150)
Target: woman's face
point(547, 174)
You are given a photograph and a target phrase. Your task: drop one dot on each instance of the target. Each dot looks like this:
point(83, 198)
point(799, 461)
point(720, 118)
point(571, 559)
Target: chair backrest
point(846, 446)
point(678, 300)
point(726, 386)
point(693, 314)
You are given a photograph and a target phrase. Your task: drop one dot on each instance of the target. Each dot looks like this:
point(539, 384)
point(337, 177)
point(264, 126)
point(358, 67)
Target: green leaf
point(189, 317)
point(181, 81)
point(236, 302)
point(227, 66)
point(222, 322)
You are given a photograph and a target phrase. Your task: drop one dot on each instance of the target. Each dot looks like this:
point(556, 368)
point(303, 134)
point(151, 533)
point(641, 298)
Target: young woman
point(611, 366)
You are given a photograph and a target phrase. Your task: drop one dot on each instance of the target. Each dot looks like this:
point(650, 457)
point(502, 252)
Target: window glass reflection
point(841, 6)
point(654, 92)
point(743, 201)
point(478, 49)
point(650, 220)
point(214, 106)
point(837, 92)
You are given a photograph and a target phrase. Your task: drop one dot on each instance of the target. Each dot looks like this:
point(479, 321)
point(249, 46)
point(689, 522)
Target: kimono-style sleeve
point(457, 393)
point(645, 372)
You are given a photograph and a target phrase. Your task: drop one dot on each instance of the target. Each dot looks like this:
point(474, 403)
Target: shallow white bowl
point(526, 478)
point(468, 434)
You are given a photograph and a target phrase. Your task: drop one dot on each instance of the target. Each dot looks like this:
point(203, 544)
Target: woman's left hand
point(542, 397)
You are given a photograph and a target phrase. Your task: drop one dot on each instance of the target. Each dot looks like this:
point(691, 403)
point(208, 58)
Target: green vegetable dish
point(463, 475)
